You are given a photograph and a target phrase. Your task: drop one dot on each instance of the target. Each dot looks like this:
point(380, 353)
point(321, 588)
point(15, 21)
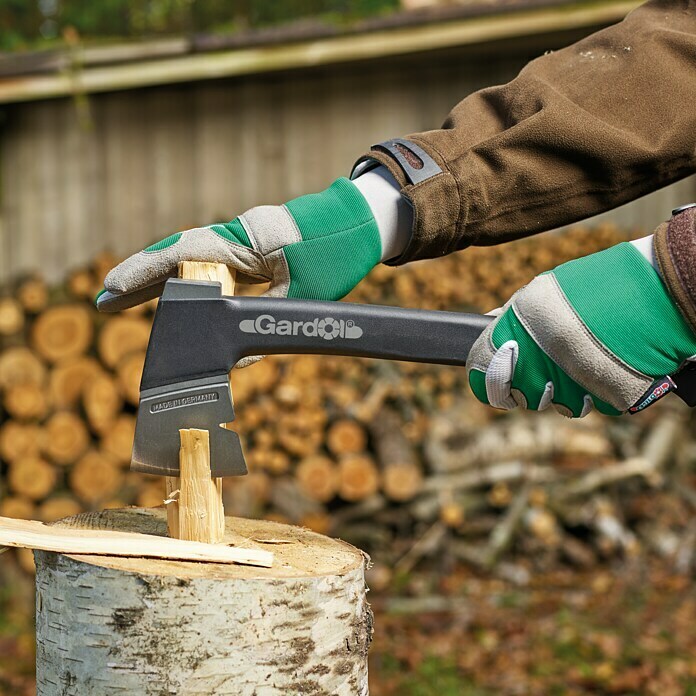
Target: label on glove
point(659, 388)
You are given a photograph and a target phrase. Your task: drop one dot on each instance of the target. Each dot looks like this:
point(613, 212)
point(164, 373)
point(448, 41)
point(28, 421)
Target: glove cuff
point(675, 251)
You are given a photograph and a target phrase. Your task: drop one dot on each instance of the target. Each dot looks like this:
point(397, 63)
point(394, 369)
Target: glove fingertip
point(477, 382)
point(106, 301)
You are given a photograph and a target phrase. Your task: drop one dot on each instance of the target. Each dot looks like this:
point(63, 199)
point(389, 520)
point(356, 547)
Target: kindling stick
point(194, 500)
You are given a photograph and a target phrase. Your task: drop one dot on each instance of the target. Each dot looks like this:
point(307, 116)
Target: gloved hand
point(318, 246)
point(597, 331)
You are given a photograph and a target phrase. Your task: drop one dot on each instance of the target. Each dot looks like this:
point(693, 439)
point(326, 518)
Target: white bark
point(108, 625)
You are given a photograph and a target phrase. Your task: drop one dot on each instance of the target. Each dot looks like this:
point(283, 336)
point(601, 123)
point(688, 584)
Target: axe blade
point(204, 403)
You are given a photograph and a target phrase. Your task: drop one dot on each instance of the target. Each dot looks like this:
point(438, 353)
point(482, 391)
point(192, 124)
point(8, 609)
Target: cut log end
point(63, 332)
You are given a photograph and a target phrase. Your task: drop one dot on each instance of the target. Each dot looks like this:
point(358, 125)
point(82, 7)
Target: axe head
point(185, 384)
point(200, 403)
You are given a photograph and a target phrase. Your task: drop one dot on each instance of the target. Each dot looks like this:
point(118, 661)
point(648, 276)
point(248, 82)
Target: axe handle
point(197, 334)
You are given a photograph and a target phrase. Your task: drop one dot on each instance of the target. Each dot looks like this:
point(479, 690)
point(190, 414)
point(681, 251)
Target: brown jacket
point(579, 131)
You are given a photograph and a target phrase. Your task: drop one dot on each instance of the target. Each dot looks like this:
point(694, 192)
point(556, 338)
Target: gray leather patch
point(483, 350)
point(270, 227)
point(551, 321)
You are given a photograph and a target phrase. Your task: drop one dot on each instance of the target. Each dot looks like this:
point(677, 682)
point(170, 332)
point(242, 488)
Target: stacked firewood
point(396, 457)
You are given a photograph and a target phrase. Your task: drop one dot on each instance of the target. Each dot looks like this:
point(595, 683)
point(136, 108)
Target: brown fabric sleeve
point(675, 251)
point(578, 132)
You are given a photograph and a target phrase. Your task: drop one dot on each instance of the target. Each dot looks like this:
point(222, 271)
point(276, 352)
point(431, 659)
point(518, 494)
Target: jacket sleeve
point(577, 132)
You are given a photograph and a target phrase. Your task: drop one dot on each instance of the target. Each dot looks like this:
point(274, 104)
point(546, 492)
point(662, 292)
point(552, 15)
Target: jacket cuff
point(431, 189)
point(675, 251)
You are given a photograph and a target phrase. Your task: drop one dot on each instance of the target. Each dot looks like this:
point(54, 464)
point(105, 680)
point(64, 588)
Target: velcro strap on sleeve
point(416, 163)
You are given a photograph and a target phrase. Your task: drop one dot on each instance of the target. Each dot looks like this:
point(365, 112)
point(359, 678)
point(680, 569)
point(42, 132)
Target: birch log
point(108, 625)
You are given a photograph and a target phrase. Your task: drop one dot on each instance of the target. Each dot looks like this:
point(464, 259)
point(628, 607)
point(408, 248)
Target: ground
point(628, 630)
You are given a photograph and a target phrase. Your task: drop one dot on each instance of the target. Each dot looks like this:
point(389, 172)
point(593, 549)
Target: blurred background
point(512, 553)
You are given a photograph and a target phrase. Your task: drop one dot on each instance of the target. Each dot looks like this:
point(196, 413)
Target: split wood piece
point(21, 366)
point(172, 490)
point(11, 316)
point(310, 610)
point(33, 295)
point(222, 274)
point(106, 542)
point(62, 332)
point(201, 514)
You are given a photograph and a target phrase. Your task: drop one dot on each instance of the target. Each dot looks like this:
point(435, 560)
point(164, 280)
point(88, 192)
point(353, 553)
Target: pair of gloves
point(594, 332)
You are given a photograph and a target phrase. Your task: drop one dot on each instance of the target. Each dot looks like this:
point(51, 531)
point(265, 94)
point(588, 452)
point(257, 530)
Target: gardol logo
point(327, 328)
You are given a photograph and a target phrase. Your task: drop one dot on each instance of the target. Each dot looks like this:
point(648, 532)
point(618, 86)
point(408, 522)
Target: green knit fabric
point(318, 267)
point(163, 243)
point(477, 382)
point(341, 242)
point(339, 208)
point(649, 334)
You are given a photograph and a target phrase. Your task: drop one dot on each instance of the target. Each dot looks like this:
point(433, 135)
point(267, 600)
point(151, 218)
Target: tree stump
point(108, 625)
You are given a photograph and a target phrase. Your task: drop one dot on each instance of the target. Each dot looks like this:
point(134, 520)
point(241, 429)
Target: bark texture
point(136, 626)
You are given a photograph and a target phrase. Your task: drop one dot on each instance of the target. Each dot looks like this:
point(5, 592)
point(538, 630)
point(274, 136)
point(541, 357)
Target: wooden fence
point(119, 170)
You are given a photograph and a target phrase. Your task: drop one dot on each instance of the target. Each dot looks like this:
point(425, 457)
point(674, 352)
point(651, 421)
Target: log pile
point(396, 458)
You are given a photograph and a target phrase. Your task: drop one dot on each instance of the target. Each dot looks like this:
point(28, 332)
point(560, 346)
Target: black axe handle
point(198, 333)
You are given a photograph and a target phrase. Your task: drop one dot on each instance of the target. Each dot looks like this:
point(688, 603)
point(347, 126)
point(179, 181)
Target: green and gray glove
point(318, 246)
point(598, 331)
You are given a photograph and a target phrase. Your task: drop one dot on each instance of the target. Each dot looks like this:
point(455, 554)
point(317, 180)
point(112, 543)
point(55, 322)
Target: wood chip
point(36, 535)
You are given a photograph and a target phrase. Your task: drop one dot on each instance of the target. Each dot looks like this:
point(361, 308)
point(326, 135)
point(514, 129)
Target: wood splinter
point(196, 513)
point(201, 514)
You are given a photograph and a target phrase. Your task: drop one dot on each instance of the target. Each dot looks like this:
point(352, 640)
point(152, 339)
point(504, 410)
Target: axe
point(198, 335)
